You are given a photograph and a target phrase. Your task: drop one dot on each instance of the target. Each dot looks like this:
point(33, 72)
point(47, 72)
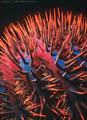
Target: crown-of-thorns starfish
point(43, 68)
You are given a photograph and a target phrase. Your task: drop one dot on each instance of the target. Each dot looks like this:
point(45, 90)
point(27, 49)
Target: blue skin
point(80, 59)
point(61, 61)
point(2, 89)
point(27, 67)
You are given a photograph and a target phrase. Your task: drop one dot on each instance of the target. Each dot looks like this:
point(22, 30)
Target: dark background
point(13, 10)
